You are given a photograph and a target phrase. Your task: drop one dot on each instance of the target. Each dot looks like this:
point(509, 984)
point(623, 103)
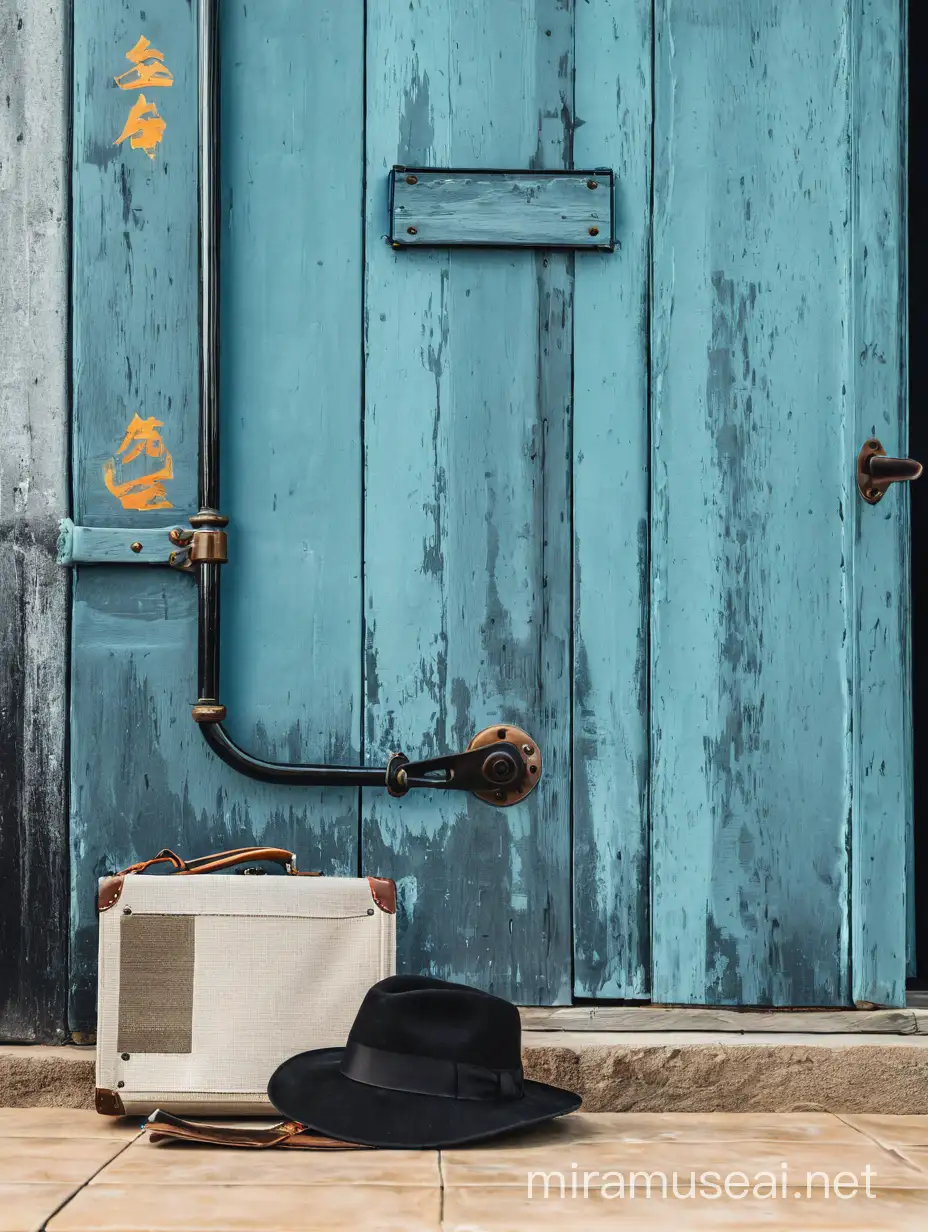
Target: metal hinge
point(206, 544)
point(115, 545)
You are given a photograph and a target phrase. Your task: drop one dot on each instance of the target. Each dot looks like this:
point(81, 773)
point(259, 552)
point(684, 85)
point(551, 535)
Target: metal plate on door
point(433, 207)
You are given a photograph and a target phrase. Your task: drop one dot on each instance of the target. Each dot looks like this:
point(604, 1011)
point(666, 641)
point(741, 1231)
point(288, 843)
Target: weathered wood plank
point(467, 446)
point(655, 1018)
point(517, 210)
point(34, 591)
point(751, 489)
point(881, 828)
point(135, 259)
point(110, 545)
point(291, 353)
point(142, 777)
point(610, 451)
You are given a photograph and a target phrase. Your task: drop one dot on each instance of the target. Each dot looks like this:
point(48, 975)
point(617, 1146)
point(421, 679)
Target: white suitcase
point(208, 983)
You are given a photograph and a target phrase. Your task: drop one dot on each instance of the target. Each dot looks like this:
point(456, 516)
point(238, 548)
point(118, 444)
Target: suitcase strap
point(164, 1127)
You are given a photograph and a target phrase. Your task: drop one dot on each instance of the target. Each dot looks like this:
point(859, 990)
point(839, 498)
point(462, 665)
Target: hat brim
point(310, 1088)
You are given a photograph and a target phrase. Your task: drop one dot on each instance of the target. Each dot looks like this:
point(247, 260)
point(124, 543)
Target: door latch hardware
point(501, 765)
point(207, 543)
point(875, 471)
point(116, 545)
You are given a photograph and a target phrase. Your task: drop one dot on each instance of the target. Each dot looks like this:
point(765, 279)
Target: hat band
point(397, 1071)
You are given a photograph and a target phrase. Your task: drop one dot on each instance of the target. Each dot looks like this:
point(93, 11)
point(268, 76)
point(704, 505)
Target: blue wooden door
point(608, 497)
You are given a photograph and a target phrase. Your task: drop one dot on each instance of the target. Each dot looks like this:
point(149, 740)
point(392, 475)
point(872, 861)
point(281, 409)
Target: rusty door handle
point(876, 471)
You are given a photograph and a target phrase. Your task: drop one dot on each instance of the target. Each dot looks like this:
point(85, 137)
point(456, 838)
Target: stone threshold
point(913, 1020)
point(626, 1071)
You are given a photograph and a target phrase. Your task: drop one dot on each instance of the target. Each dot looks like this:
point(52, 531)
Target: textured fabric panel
point(265, 989)
point(233, 894)
point(281, 966)
point(156, 970)
point(107, 1000)
point(183, 1103)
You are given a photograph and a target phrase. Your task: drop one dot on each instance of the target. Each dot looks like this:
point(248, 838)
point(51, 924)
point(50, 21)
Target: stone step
point(616, 1071)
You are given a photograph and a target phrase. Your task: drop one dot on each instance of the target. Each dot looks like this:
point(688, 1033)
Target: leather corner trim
point(383, 892)
point(108, 1103)
point(109, 891)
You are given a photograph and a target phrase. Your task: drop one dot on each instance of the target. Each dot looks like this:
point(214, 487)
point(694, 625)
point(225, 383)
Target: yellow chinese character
point(148, 68)
point(145, 491)
point(144, 127)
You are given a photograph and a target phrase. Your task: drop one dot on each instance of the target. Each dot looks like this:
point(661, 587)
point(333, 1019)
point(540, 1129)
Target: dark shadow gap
point(918, 448)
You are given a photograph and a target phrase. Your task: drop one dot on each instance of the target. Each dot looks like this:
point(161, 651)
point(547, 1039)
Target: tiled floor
point(77, 1172)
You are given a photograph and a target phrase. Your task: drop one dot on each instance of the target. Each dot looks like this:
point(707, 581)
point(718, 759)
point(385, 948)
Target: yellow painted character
point(144, 127)
point(148, 68)
point(145, 491)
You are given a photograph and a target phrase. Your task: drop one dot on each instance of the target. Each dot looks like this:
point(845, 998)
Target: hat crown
point(420, 1016)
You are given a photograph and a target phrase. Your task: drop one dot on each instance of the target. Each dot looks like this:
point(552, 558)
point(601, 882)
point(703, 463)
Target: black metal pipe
point(466, 771)
point(209, 223)
point(208, 574)
point(223, 746)
point(208, 631)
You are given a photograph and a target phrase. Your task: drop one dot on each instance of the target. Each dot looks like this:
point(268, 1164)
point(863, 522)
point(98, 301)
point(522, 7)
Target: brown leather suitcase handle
point(216, 861)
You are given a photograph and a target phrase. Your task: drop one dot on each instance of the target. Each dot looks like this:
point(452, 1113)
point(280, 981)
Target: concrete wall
point(34, 589)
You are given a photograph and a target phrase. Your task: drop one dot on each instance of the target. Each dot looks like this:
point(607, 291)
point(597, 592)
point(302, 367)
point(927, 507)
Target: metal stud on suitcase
point(207, 983)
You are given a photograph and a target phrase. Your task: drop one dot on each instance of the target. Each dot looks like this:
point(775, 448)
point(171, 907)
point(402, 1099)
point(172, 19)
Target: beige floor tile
point(63, 1123)
point(487, 1210)
point(181, 1164)
point(25, 1208)
point(250, 1208)
point(917, 1155)
point(888, 1169)
point(891, 1130)
point(35, 1161)
point(685, 1127)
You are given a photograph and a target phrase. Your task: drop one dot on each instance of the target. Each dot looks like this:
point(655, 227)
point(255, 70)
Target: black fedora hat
point(427, 1064)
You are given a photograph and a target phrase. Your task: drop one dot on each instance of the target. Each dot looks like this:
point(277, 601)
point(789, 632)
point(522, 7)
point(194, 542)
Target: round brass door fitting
point(503, 796)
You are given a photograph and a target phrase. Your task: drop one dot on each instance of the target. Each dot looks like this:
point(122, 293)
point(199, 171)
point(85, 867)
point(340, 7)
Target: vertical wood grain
point(468, 522)
point(134, 256)
point(292, 127)
point(883, 813)
point(751, 486)
point(142, 776)
point(611, 583)
point(34, 590)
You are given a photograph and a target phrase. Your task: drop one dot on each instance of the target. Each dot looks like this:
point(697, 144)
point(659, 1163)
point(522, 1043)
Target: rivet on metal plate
point(136, 547)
